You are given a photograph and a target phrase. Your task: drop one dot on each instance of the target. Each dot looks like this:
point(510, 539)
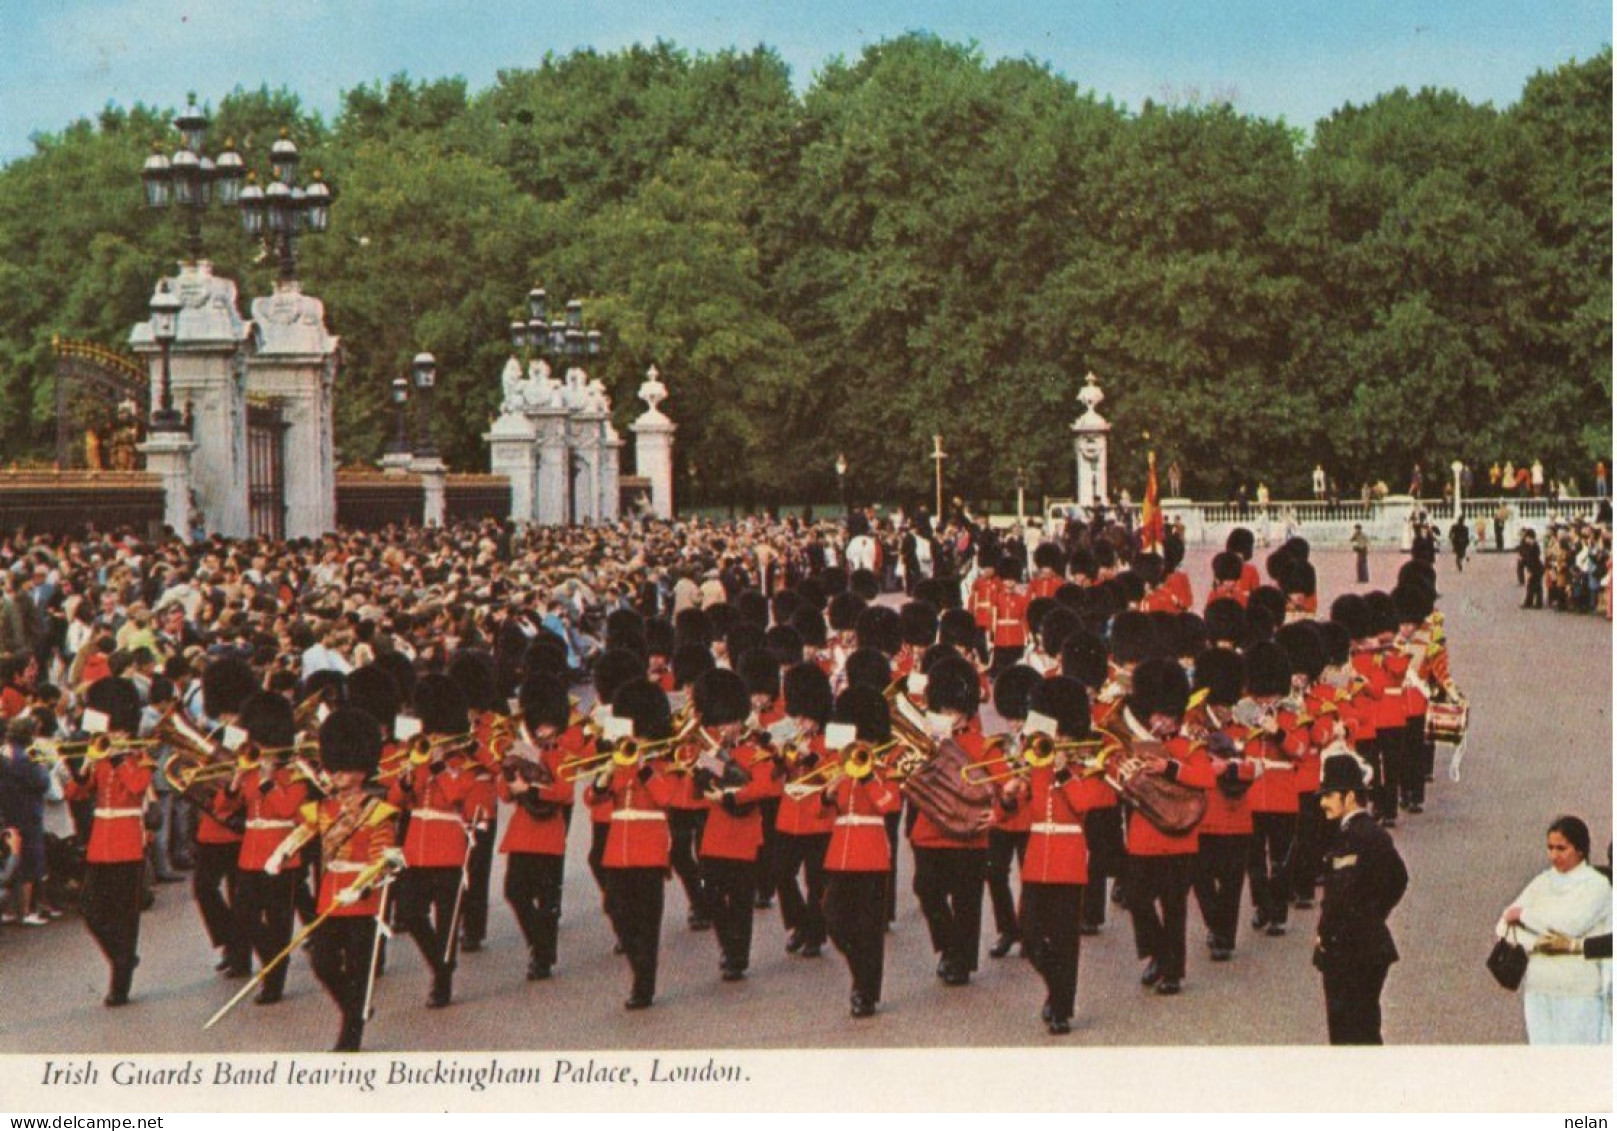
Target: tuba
point(1173, 809)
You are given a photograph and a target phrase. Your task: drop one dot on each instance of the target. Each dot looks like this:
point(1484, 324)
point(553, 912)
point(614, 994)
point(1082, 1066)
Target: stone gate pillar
point(654, 445)
point(208, 379)
point(295, 364)
point(1089, 446)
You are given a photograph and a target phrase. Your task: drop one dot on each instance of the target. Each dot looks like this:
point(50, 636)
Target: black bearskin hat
point(720, 697)
point(226, 683)
point(808, 692)
point(1160, 687)
point(473, 672)
point(760, 671)
point(1083, 657)
point(952, 685)
point(1222, 672)
point(1268, 669)
point(867, 667)
point(843, 612)
point(373, 691)
point(1304, 647)
point(690, 663)
point(866, 710)
point(1066, 701)
point(615, 667)
point(918, 624)
point(441, 705)
point(267, 719)
point(544, 702)
point(646, 707)
point(878, 628)
point(1011, 690)
point(118, 699)
point(350, 740)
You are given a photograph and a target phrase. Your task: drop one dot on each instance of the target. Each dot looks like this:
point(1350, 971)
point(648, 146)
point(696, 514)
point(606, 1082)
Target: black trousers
point(1003, 847)
point(685, 834)
point(110, 903)
point(728, 886)
point(1050, 938)
point(533, 884)
point(1308, 853)
point(1220, 875)
point(856, 917)
point(634, 900)
point(426, 905)
point(1158, 899)
point(1103, 829)
point(305, 881)
point(1419, 756)
point(1353, 1002)
point(800, 914)
point(213, 886)
point(949, 884)
point(1375, 754)
point(597, 856)
point(341, 957)
point(1269, 864)
point(264, 918)
point(892, 822)
point(1384, 792)
point(479, 863)
point(763, 880)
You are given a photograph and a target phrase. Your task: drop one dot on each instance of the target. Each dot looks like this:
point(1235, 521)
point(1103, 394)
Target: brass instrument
point(306, 715)
point(422, 750)
point(629, 752)
point(1035, 752)
point(909, 730)
point(859, 761)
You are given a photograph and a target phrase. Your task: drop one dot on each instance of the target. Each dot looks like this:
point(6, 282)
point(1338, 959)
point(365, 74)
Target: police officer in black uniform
point(1364, 880)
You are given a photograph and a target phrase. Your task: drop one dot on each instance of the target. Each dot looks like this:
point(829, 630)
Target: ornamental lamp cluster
point(563, 341)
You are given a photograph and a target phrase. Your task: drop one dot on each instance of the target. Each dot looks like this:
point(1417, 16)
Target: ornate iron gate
point(266, 470)
point(98, 391)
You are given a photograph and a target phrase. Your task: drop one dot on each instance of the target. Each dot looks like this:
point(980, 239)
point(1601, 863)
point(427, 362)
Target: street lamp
point(425, 370)
point(563, 342)
point(842, 482)
point(401, 396)
point(165, 308)
point(1021, 495)
point(1459, 469)
point(284, 211)
point(190, 180)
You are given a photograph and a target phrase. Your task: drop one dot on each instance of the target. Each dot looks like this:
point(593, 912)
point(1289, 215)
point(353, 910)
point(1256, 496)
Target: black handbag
point(1507, 962)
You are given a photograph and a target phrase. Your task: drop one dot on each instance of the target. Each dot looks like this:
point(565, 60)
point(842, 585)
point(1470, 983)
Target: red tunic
point(272, 812)
point(539, 836)
point(1229, 813)
point(436, 837)
point(118, 834)
point(639, 836)
point(1010, 617)
point(1011, 814)
point(926, 834)
point(735, 830)
point(359, 851)
point(858, 833)
point(1057, 852)
point(1044, 585)
point(1195, 768)
point(808, 816)
point(981, 603)
point(1275, 790)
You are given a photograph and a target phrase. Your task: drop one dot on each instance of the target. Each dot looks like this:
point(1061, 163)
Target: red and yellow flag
point(1151, 510)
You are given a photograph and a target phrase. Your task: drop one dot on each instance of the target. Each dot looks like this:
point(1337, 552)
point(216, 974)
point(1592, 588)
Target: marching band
point(774, 752)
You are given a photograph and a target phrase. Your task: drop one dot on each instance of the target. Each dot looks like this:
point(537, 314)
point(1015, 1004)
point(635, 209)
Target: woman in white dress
point(1567, 998)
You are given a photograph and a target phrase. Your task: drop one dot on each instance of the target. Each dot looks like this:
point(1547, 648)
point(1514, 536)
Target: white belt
point(257, 823)
point(858, 819)
point(346, 866)
point(639, 815)
point(1272, 764)
point(107, 814)
point(1049, 827)
point(435, 815)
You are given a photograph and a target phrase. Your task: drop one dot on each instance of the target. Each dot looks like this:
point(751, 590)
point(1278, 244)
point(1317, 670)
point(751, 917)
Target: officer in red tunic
point(949, 871)
point(740, 776)
point(1225, 835)
point(431, 791)
point(858, 855)
point(1057, 864)
point(1008, 835)
point(636, 857)
point(355, 830)
point(803, 826)
point(473, 672)
point(535, 843)
point(1161, 865)
point(116, 784)
point(272, 793)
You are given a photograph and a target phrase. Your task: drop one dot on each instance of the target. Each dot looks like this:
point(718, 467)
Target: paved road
point(1541, 688)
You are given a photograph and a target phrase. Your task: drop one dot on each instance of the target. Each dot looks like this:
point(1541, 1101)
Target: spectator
point(23, 782)
point(1530, 567)
point(1501, 515)
point(1361, 553)
point(1460, 542)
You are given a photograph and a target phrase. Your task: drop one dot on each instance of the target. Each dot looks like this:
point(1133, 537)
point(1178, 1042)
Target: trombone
point(858, 762)
point(1035, 752)
point(421, 750)
point(91, 750)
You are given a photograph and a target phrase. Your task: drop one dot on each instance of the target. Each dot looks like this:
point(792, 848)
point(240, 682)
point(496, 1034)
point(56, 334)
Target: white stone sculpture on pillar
point(1089, 446)
point(654, 444)
point(295, 365)
point(208, 379)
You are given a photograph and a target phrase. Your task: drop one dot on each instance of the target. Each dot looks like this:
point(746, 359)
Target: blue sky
point(65, 59)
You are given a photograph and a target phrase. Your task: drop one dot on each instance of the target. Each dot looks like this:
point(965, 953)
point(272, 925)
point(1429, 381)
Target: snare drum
point(1446, 722)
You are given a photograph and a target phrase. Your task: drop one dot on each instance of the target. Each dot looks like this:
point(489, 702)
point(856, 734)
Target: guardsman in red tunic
point(1009, 633)
point(802, 825)
point(1392, 713)
point(1225, 834)
point(1174, 579)
point(842, 616)
point(980, 601)
point(1305, 645)
point(918, 628)
point(116, 783)
point(949, 871)
point(1050, 568)
point(1007, 836)
point(614, 668)
point(733, 776)
point(535, 841)
point(1242, 543)
point(272, 792)
point(474, 672)
point(432, 791)
point(1422, 642)
point(226, 684)
point(1274, 738)
point(1228, 580)
point(1162, 864)
point(636, 859)
point(355, 831)
point(759, 669)
point(858, 856)
point(1057, 864)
